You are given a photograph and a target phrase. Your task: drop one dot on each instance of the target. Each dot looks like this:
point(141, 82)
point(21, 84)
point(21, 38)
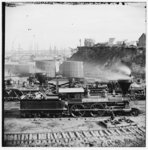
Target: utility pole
point(80, 42)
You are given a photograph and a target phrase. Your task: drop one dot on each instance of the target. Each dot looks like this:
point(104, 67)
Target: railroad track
point(103, 137)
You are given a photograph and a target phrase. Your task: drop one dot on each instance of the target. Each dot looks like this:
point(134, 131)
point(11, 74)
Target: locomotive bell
point(124, 84)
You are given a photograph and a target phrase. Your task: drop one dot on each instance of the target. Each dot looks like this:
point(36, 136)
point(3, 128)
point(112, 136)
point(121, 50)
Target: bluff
point(115, 61)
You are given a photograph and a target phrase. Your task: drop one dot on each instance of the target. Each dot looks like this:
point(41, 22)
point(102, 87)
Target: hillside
point(111, 62)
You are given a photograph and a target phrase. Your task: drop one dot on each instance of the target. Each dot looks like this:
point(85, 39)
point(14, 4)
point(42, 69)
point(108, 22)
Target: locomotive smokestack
point(124, 84)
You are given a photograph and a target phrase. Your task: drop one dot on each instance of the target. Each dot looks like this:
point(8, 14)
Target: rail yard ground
point(71, 132)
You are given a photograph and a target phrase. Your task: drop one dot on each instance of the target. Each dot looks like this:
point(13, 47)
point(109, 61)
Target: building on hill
point(89, 42)
point(142, 41)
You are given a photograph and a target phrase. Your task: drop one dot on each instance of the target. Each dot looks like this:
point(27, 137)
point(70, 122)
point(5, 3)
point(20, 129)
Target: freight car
point(73, 102)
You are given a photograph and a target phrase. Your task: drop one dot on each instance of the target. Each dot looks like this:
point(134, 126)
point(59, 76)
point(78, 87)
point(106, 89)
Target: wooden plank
point(72, 135)
point(107, 133)
point(52, 137)
point(85, 134)
point(77, 134)
point(100, 132)
point(138, 131)
point(125, 131)
point(64, 135)
point(12, 137)
point(30, 136)
point(40, 136)
point(18, 137)
point(43, 136)
point(55, 136)
point(142, 129)
point(48, 136)
point(5, 137)
point(94, 134)
point(81, 134)
point(117, 131)
point(34, 136)
point(26, 136)
point(59, 135)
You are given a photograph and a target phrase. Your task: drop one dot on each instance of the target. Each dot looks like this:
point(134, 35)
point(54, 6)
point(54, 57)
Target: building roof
point(71, 90)
point(142, 36)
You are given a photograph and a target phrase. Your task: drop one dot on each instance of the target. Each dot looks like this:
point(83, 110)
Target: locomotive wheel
point(76, 112)
point(23, 115)
point(134, 112)
point(97, 113)
point(48, 115)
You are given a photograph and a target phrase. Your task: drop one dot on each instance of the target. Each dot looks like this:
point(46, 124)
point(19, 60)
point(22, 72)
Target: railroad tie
point(18, 137)
point(22, 137)
point(57, 137)
point(78, 135)
point(136, 132)
point(33, 136)
point(139, 131)
point(142, 129)
point(81, 134)
point(133, 129)
point(52, 139)
point(65, 136)
point(5, 137)
point(87, 134)
point(118, 131)
point(122, 131)
point(43, 136)
point(110, 132)
point(27, 136)
point(72, 135)
point(101, 133)
point(125, 130)
point(48, 136)
point(106, 132)
point(95, 133)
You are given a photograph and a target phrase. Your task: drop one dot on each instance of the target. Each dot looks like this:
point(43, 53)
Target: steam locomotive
point(75, 102)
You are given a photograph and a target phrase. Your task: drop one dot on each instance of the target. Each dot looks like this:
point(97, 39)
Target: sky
point(47, 26)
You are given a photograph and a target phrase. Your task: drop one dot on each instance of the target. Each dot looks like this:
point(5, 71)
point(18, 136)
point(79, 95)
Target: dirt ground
point(40, 125)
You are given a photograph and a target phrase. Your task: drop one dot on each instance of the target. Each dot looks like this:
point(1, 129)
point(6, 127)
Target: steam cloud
point(115, 72)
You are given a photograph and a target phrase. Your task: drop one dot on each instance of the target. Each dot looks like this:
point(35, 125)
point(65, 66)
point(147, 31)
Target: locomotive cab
point(71, 94)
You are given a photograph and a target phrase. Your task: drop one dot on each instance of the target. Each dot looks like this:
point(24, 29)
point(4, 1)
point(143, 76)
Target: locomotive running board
point(120, 109)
